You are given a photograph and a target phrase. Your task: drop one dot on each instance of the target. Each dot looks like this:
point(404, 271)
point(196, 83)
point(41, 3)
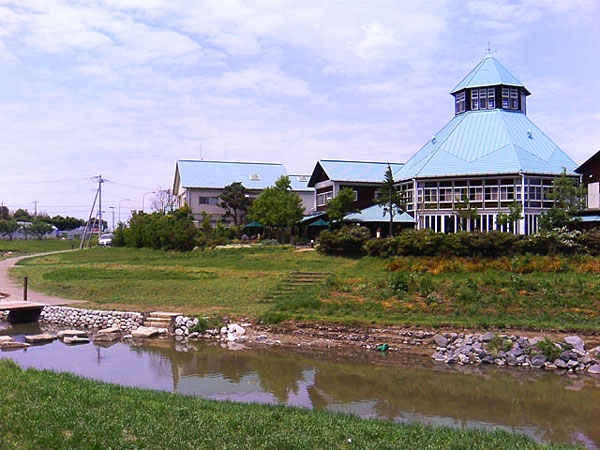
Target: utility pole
point(112, 208)
point(35, 202)
point(100, 181)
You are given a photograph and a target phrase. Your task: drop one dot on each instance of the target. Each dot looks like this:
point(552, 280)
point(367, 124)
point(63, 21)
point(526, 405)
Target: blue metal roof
point(218, 174)
point(357, 171)
point(300, 182)
point(594, 218)
point(487, 142)
point(489, 72)
point(375, 213)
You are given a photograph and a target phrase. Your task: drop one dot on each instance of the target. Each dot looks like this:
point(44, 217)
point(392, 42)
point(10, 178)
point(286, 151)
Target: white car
point(105, 240)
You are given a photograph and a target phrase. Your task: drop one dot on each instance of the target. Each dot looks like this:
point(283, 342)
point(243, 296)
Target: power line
point(45, 181)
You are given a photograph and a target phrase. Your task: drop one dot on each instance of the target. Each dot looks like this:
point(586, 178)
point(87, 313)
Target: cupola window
point(484, 98)
point(510, 98)
point(461, 103)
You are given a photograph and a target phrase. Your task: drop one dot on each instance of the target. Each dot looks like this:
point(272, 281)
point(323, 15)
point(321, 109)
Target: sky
point(125, 88)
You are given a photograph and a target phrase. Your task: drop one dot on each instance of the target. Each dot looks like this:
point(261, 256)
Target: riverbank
point(273, 284)
point(89, 414)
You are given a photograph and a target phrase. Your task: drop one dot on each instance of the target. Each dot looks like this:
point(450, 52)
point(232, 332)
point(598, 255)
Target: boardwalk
point(13, 292)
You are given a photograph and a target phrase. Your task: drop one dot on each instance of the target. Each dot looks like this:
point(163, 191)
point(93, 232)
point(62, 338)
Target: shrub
point(399, 282)
point(348, 240)
point(549, 349)
point(498, 344)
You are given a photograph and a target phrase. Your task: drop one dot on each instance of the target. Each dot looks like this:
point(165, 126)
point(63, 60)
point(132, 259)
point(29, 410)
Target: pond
point(547, 406)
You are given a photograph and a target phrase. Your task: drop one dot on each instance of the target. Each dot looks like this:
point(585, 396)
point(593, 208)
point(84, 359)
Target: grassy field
point(20, 247)
point(42, 409)
point(530, 292)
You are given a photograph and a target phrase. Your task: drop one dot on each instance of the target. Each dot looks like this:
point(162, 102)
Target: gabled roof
point(375, 214)
point(588, 162)
point(353, 171)
point(487, 142)
point(489, 72)
point(218, 174)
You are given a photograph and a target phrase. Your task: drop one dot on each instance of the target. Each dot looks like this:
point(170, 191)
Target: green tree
point(4, 213)
point(8, 227)
point(277, 207)
point(392, 200)
point(39, 228)
point(65, 223)
point(342, 204)
point(235, 200)
point(504, 221)
point(22, 215)
point(568, 197)
point(465, 212)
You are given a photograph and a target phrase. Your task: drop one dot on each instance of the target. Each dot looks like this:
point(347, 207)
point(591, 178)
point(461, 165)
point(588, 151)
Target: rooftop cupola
point(489, 86)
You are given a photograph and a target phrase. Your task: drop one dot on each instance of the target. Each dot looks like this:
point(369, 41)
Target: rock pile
point(453, 348)
point(89, 318)
point(184, 324)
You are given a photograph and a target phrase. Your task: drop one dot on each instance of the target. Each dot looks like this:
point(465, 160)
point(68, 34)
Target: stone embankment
point(570, 354)
point(90, 318)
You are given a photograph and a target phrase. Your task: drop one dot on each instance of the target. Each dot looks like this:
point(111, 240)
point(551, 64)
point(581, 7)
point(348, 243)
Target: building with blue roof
point(199, 183)
point(364, 177)
point(489, 158)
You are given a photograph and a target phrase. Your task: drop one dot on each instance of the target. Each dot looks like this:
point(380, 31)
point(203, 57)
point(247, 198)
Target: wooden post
point(25, 289)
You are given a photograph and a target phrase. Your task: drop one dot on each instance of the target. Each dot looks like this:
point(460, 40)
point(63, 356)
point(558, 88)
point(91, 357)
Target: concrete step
point(163, 315)
point(150, 324)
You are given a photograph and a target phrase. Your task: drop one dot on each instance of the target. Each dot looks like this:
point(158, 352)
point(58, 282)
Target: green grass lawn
point(546, 293)
point(18, 247)
point(42, 409)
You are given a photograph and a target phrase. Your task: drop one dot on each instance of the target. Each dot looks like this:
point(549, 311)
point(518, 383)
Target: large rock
point(440, 340)
point(515, 352)
point(107, 337)
point(76, 340)
point(43, 338)
point(487, 337)
point(576, 342)
point(145, 332)
point(71, 333)
point(560, 363)
point(594, 369)
point(11, 345)
point(4, 339)
point(110, 330)
point(538, 361)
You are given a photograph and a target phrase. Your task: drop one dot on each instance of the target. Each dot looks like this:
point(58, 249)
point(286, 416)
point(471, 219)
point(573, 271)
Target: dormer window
point(461, 103)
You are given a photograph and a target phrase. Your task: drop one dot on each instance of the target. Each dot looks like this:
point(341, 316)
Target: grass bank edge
point(92, 414)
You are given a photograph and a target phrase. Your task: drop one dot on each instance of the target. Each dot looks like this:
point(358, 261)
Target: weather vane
point(488, 50)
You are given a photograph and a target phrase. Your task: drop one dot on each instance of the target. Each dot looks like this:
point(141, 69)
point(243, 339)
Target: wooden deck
point(17, 306)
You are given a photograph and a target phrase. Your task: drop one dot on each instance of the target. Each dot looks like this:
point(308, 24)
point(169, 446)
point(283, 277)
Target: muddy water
point(546, 406)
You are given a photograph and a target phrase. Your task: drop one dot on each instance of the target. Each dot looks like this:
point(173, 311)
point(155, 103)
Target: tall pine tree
point(392, 200)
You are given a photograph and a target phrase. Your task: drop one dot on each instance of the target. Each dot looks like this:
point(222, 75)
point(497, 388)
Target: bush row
point(174, 231)
point(353, 241)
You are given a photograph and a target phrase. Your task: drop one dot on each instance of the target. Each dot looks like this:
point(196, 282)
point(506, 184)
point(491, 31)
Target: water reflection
point(544, 405)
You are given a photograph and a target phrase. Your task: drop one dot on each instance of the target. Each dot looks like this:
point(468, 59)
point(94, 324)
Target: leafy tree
point(277, 207)
point(342, 204)
point(66, 223)
point(8, 227)
point(39, 228)
point(235, 201)
point(22, 215)
point(465, 211)
point(508, 220)
point(4, 213)
point(392, 200)
point(568, 197)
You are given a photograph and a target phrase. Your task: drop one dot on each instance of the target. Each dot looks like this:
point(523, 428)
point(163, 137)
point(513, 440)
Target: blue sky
point(125, 88)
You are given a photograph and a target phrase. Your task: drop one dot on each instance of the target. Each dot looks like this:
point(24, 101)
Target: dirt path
point(11, 291)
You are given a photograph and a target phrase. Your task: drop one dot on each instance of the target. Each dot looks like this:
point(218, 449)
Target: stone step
point(159, 319)
point(153, 324)
point(163, 314)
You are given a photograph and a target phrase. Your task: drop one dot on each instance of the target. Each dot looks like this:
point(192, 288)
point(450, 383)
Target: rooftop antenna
point(489, 51)
point(201, 158)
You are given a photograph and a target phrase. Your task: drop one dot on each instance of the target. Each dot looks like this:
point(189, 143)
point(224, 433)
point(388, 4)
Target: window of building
point(355, 194)
point(430, 195)
point(475, 194)
point(205, 200)
point(461, 103)
point(445, 194)
point(491, 193)
point(324, 197)
point(510, 98)
point(507, 193)
point(474, 99)
point(491, 98)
